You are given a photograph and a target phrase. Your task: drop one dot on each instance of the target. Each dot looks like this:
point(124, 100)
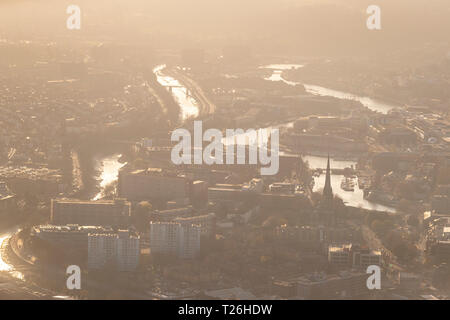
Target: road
point(13, 282)
point(374, 242)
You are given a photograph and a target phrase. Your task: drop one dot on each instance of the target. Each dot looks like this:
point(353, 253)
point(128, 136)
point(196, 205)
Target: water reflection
point(277, 75)
point(4, 266)
point(277, 72)
point(316, 162)
point(189, 106)
point(109, 167)
point(372, 104)
point(283, 66)
point(351, 198)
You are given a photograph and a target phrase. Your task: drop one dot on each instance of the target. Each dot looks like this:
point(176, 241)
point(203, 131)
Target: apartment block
point(117, 251)
point(90, 213)
point(176, 239)
point(151, 184)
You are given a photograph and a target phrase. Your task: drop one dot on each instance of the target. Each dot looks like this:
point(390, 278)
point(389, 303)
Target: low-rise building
point(171, 214)
point(90, 213)
point(72, 238)
point(339, 256)
point(408, 281)
point(343, 285)
point(7, 198)
point(354, 256)
point(152, 184)
point(206, 223)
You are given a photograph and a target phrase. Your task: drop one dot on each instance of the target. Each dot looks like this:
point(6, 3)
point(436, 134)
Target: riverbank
point(189, 108)
point(77, 177)
point(204, 104)
point(109, 167)
point(48, 280)
point(348, 89)
point(24, 280)
point(92, 155)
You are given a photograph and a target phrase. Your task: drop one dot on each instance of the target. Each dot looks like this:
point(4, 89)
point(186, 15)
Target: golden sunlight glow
point(3, 265)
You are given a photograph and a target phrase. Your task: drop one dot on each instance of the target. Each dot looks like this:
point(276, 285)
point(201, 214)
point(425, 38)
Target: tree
point(142, 214)
point(274, 221)
point(140, 164)
point(110, 190)
point(413, 221)
point(380, 227)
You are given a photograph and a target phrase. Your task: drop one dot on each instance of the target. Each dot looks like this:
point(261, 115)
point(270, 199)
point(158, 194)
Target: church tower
point(327, 190)
point(325, 211)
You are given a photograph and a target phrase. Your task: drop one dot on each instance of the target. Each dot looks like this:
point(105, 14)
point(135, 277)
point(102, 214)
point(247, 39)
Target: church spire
point(327, 190)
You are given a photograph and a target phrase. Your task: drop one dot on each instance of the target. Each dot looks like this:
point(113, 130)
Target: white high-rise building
point(189, 241)
point(128, 251)
point(101, 250)
point(174, 238)
point(119, 251)
point(164, 237)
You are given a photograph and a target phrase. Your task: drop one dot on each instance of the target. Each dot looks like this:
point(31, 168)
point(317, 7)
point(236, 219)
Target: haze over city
point(224, 150)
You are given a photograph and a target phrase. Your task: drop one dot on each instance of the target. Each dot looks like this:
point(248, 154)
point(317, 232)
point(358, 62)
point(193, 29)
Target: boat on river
point(348, 184)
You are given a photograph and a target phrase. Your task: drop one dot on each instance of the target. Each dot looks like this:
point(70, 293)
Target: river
point(109, 167)
point(4, 265)
point(14, 284)
point(372, 104)
point(189, 106)
point(351, 198)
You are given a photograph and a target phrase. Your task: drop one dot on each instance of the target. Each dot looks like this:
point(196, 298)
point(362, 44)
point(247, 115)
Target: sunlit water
point(189, 106)
point(277, 72)
point(277, 75)
point(372, 104)
point(283, 66)
point(4, 266)
point(351, 198)
point(109, 167)
point(317, 162)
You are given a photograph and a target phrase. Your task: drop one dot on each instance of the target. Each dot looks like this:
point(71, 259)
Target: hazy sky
point(315, 26)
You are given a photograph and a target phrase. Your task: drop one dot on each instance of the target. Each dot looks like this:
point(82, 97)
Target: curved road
point(13, 282)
